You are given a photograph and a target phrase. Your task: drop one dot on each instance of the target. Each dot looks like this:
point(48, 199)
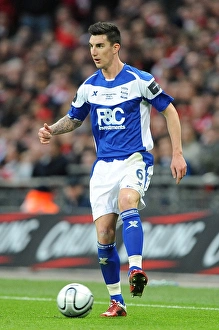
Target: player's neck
point(112, 71)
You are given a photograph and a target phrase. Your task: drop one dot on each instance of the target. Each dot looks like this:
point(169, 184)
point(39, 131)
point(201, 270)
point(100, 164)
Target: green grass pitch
point(30, 304)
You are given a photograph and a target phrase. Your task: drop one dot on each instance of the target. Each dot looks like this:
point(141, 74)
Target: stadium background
point(43, 59)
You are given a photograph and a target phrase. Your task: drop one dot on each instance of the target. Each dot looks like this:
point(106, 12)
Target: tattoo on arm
point(64, 125)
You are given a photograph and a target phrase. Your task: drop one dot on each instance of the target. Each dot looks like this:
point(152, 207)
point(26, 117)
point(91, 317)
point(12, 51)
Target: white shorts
point(109, 177)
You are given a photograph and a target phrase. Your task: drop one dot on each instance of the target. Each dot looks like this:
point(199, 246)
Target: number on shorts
point(139, 174)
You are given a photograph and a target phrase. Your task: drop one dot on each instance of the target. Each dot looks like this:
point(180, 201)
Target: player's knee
point(128, 199)
point(106, 236)
point(106, 228)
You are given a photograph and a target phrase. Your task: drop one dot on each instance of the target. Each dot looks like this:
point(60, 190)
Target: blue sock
point(109, 262)
point(132, 232)
point(132, 268)
point(118, 297)
point(110, 266)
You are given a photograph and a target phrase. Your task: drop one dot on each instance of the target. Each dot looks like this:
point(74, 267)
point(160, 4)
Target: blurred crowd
point(44, 57)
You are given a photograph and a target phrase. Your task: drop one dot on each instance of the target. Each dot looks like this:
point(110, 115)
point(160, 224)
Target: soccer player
point(119, 98)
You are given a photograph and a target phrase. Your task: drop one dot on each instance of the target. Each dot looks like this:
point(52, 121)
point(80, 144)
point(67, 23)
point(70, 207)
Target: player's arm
point(178, 164)
point(63, 125)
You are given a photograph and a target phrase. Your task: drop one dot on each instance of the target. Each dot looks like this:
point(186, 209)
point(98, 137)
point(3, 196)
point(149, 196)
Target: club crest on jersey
point(124, 93)
point(109, 119)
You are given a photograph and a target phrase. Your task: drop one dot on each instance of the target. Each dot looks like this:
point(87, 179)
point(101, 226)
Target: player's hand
point(178, 168)
point(45, 134)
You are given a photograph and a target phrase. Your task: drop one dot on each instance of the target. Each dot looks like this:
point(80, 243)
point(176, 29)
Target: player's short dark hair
point(109, 29)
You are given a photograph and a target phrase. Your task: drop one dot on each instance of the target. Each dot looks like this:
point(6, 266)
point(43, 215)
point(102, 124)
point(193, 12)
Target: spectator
point(209, 158)
point(74, 196)
point(36, 15)
point(191, 147)
point(201, 117)
point(16, 163)
point(164, 149)
point(212, 78)
point(7, 17)
point(53, 162)
point(88, 157)
point(40, 200)
point(67, 29)
point(158, 126)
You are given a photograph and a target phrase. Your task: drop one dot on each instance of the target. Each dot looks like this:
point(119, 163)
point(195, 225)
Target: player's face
point(102, 51)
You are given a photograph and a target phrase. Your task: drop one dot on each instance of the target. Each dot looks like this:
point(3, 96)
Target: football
point(75, 300)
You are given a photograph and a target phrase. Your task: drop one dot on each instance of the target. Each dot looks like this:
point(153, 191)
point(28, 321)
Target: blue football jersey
point(119, 110)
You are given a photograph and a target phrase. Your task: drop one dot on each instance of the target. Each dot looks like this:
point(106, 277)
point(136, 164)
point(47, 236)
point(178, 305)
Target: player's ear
point(116, 48)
